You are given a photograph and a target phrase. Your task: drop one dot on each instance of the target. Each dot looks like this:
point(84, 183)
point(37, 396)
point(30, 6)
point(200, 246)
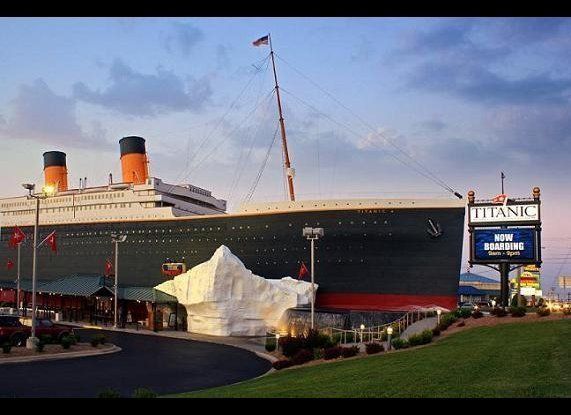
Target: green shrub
point(302, 356)
point(462, 313)
point(477, 314)
point(350, 351)
point(66, 342)
point(77, 338)
point(332, 353)
point(270, 344)
point(446, 320)
point(144, 393)
point(290, 345)
point(315, 339)
point(436, 331)
point(421, 338)
point(6, 347)
point(317, 354)
point(374, 347)
point(47, 339)
point(109, 393)
point(102, 339)
point(399, 343)
point(498, 312)
point(517, 311)
point(543, 311)
point(514, 302)
point(567, 311)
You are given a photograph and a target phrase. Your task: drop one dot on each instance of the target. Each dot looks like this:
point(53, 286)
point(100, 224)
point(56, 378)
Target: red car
point(12, 330)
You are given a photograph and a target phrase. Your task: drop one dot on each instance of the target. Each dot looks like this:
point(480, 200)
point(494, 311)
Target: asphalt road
point(162, 364)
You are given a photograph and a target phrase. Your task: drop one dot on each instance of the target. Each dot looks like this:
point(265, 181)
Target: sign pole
point(518, 274)
point(504, 273)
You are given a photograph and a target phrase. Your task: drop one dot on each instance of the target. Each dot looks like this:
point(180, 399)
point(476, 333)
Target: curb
point(59, 356)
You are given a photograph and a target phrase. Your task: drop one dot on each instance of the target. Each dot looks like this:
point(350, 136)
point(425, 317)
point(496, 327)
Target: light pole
point(362, 328)
point(277, 342)
point(389, 334)
point(32, 341)
point(117, 239)
point(438, 312)
point(312, 234)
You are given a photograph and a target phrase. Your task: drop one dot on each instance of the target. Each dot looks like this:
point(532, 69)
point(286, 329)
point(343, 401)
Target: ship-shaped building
point(377, 254)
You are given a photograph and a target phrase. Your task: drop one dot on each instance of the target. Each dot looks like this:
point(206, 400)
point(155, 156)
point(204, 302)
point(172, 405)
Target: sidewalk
point(418, 327)
point(255, 345)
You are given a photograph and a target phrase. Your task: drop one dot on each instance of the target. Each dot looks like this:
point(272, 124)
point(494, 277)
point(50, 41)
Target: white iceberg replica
point(223, 298)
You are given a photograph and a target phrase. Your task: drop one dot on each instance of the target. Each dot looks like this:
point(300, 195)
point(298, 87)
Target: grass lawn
point(510, 360)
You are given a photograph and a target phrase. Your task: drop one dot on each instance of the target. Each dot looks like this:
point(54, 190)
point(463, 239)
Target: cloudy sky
point(464, 98)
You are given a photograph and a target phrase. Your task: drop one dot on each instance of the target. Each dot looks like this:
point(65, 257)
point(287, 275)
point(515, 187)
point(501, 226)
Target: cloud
point(478, 84)
point(433, 125)
point(41, 115)
point(363, 51)
point(182, 38)
point(135, 93)
point(222, 58)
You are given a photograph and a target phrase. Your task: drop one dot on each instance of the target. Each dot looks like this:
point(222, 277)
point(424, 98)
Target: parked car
point(13, 331)
point(469, 306)
point(47, 327)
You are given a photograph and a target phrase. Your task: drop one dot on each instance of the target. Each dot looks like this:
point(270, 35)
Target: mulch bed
point(50, 349)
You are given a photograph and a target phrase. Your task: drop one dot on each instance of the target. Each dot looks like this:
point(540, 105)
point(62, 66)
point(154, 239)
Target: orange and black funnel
point(55, 170)
point(134, 163)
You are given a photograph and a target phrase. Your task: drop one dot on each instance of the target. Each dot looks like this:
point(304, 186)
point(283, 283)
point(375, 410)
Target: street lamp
point(389, 334)
point(116, 239)
point(494, 303)
point(47, 191)
point(312, 234)
point(277, 342)
point(362, 328)
point(438, 312)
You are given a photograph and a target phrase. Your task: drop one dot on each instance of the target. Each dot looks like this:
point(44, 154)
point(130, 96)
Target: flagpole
point(289, 174)
point(502, 176)
point(18, 282)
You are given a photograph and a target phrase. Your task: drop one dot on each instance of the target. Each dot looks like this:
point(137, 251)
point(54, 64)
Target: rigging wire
point(359, 135)
point(220, 121)
point(262, 168)
point(435, 179)
point(266, 98)
point(242, 161)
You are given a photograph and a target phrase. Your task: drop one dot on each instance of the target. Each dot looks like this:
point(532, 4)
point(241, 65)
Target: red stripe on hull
point(383, 302)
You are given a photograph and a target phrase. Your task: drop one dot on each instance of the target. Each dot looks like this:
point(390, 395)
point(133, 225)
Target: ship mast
point(287, 163)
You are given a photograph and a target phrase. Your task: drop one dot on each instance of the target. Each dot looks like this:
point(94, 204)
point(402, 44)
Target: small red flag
point(9, 264)
point(51, 240)
point(108, 267)
point(303, 272)
point(17, 237)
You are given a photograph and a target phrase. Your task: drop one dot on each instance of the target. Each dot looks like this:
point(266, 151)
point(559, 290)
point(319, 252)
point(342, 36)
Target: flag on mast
point(51, 240)
point(108, 267)
point(303, 271)
point(264, 40)
point(502, 198)
point(17, 237)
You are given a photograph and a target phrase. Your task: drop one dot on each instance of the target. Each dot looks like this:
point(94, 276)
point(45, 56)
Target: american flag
point(264, 40)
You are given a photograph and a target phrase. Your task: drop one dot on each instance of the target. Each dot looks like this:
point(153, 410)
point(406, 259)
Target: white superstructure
point(153, 199)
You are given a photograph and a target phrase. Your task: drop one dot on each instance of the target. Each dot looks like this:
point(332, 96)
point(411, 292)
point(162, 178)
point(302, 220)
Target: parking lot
point(162, 364)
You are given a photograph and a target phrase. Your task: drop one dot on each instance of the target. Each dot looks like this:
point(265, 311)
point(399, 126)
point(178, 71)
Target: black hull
point(379, 252)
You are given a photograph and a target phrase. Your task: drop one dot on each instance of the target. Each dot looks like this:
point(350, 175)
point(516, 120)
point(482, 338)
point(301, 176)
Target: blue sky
point(466, 97)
